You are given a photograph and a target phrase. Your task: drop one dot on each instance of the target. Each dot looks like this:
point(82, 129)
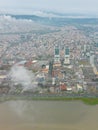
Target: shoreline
point(85, 100)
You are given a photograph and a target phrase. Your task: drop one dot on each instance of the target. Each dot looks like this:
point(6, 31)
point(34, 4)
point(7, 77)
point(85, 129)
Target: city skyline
point(62, 6)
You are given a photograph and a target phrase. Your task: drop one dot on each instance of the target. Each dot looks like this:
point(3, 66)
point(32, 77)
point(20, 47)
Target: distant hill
point(56, 21)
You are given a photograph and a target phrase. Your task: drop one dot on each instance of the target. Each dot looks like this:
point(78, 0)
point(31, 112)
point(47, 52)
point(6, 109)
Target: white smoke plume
point(21, 75)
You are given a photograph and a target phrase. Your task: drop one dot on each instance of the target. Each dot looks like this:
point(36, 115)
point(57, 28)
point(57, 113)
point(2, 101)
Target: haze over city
point(48, 51)
point(49, 39)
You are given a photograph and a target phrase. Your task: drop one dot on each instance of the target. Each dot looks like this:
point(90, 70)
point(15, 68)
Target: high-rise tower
point(67, 56)
point(56, 54)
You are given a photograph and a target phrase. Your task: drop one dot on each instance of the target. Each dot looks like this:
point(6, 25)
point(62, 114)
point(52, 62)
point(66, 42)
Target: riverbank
point(86, 100)
point(47, 115)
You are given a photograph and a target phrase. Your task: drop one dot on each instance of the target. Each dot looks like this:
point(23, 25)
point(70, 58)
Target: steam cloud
point(21, 75)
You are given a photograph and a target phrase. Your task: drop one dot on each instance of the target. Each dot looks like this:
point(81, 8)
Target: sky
point(62, 6)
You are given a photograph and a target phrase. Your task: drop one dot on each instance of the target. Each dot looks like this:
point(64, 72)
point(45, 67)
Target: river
point(48, 115)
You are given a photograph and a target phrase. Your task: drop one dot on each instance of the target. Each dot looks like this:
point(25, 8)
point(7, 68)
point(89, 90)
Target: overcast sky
point(65, 6)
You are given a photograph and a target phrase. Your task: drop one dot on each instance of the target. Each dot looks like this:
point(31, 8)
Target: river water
point(48, 115)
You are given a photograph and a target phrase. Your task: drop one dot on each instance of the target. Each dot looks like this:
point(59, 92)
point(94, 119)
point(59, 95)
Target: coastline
point(85, 100)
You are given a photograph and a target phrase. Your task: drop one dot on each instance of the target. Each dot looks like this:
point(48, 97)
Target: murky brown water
point(47, 115)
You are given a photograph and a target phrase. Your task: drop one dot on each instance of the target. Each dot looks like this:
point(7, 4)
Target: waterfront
point(50, 115)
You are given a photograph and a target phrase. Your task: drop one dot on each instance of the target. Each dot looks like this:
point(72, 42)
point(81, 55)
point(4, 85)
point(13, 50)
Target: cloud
point(21, 75)
point(45, 14)
point(10, 19)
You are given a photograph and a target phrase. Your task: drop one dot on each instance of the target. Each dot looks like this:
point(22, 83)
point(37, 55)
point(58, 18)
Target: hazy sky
point(66, 6)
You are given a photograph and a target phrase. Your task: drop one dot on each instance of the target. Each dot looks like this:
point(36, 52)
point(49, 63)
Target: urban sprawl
point(47, 60)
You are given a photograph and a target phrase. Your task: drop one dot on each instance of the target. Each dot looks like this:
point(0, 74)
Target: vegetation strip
point(89, 101)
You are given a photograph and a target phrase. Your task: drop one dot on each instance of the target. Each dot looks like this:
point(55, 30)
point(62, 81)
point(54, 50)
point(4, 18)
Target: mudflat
point(50, 115)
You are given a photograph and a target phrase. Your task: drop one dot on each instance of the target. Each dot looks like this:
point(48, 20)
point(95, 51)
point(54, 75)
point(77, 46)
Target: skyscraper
point(67, 56)
point(56, 54)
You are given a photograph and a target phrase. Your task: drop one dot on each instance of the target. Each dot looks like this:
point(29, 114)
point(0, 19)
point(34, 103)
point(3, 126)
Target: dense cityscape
point(48, 64)
point(50, 59)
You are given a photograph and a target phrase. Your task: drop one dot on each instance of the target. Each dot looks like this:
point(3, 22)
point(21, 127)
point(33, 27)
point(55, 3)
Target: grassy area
point(89, 101)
